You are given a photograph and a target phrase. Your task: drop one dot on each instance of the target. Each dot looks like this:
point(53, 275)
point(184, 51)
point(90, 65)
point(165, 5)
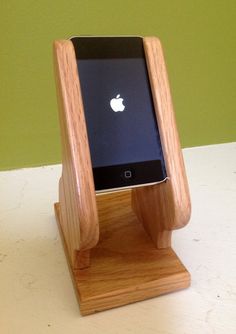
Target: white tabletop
point(36, 292)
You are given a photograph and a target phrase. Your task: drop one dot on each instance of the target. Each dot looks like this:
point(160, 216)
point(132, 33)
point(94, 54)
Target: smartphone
point(121, 124)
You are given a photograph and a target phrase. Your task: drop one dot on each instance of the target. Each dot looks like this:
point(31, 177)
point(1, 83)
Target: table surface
point(36, 292)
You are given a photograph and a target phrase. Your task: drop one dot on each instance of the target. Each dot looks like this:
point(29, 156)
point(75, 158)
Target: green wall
point(200, 49)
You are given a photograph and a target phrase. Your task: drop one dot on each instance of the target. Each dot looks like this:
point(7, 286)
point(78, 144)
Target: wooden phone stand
point(118, 245)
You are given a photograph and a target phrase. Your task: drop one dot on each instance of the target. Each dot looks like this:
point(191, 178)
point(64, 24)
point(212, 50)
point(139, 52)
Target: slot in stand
point(118, 245)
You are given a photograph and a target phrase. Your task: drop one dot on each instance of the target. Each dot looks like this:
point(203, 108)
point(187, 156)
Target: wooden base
point(125, 266)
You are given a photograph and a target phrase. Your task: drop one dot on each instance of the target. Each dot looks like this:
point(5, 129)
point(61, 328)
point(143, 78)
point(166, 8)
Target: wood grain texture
point(125, 265)
point(77, 199)
point(165, 206)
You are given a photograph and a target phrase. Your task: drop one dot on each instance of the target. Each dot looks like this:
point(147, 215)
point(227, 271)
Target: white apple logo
point(117, 104)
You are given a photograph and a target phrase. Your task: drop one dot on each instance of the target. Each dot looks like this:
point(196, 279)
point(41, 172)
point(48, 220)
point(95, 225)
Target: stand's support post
point(164, 207)
point(77, 200)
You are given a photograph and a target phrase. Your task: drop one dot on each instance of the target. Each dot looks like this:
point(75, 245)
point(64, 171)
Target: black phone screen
point(122, 129)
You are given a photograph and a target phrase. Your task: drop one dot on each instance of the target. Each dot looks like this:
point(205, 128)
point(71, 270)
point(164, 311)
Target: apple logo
point(117, 104)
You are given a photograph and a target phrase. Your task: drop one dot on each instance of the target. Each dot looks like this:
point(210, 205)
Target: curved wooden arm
point(166, 206)
point(79, 218)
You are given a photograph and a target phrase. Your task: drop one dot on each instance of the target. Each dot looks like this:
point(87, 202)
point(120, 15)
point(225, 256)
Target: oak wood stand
point(118, 245)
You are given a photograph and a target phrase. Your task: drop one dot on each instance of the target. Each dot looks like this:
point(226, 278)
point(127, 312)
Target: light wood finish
point(125, 265)
point(76, 189)
point(166, 206)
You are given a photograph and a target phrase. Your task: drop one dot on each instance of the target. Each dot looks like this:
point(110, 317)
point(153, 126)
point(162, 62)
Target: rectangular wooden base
point(125, 265)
